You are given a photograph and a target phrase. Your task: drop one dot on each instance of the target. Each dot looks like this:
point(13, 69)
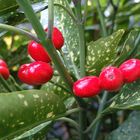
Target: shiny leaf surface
point(21, 111)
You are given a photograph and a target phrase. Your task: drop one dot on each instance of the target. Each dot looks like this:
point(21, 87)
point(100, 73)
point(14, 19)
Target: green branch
point(85, 11)
point(69, 112)
point(104, 98)
point(50, 19)
point(92, 124)
point(18, 31)
point(115, 8)
point(74, 123)
point(82, 44)
point(101, 107)
point(82, 49)
point(101, 17)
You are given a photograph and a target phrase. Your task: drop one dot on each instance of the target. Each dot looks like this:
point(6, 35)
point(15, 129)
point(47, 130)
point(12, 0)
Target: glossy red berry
point(111, 79)
point(130, 70)
point(4, 72)
point(38, 52)
point(35, 73)
point(3, 63)
point(57, 38)
point(87, 86)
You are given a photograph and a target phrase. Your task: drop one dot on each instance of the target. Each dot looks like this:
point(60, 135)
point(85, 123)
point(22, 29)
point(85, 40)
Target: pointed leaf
point(21, 111)
point(69, 30)
point(37, 132)
point(129, 42)
point(103, 52)
point(128, 98)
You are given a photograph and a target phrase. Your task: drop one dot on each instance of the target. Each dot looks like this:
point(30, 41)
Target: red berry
point(35, 73)
point(38, 52)
point(4, 72)
point(111, 79)
point(57, 38)
point(3, 63)
point(130, 70)
point(87, 86)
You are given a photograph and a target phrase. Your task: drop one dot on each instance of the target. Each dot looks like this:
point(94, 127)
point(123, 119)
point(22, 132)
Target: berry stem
point(82, 44)
point(82, 48)
point(26, 6)
point(97, 121)
point(105, 94)
point(93, 123)
point(19, 31)
point(47, 43)
point(101, 107)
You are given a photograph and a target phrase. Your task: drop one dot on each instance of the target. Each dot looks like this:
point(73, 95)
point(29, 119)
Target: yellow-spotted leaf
point(103, 52)
point(21, 111)
point(127, 99)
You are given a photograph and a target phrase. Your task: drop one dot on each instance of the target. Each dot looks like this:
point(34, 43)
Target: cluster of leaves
point(41, 107)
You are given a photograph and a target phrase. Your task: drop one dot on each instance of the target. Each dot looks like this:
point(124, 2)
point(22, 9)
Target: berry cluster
point(110, 79)
point(4, 71)
point(40, 71)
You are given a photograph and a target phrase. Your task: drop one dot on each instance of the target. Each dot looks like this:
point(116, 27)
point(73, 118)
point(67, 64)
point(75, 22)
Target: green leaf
point(68, 28)
point(103, 52)
point(37, 132)
point(125, 12)
point(21, 111)
point(10, 6)
point(54, 87)
point(7, 6)
point(129, 130)
point(128, 44)
point(128, 98)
